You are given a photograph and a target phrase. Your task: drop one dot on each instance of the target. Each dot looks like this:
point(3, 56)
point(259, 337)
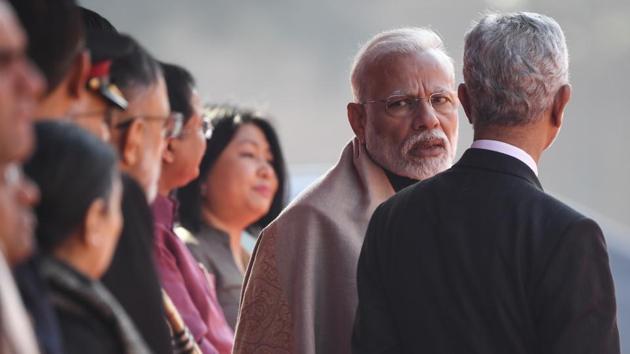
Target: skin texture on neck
point(533, 137)
point(57, 104)
point(164, 188)
point(527, 137)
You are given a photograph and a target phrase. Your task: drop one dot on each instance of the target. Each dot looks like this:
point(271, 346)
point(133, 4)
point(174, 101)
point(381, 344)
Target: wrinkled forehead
point(427, 71)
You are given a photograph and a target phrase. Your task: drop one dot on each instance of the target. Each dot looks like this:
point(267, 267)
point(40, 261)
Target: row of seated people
point(132, 200)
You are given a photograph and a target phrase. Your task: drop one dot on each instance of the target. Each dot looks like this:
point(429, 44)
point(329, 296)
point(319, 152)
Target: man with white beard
point(300, 289)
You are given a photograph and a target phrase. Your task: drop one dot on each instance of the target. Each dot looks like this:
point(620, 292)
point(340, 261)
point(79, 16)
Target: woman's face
point(107, 227)
point(242, 183)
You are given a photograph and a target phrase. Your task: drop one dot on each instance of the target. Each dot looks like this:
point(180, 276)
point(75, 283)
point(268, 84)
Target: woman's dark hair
point(180, 85)
point(72, 169)
point(136, 69)
point(226, 120)
point(94, 21)
point(55, 35)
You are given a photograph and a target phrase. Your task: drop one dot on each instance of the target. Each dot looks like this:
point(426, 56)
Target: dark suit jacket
point(480, 260)
point(35, 294)
point(132, 276)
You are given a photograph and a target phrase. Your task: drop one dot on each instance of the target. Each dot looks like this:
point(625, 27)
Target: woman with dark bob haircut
point(79, 222)
point(241, 186)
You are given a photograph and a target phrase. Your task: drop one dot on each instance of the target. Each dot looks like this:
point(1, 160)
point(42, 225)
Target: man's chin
point(426, 167)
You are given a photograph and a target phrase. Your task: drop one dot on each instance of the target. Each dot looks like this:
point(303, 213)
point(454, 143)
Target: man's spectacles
point(171, 125)
point(405, 106)
point(205, 128)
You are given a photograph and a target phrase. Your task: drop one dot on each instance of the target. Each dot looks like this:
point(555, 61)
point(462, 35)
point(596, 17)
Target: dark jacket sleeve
point(87, 335)
point(374, 330)
point(574, 304)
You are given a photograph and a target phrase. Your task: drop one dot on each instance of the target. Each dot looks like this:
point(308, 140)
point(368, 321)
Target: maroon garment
point(187, 285)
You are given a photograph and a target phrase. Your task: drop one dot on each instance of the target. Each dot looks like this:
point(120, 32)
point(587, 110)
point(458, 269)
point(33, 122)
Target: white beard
point(400, 161)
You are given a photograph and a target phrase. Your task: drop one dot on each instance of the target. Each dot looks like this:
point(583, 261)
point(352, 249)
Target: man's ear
point(131, 149)
point(92, 223)
point(560, 101)
point(357, 119)
point(79, 74)
point(462, 93)
point(168, 156)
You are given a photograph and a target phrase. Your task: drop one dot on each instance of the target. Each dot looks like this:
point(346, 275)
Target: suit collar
point(497, 162)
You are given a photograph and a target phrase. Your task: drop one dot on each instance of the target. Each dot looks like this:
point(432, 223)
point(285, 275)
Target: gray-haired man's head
point(513, 66)
point(405, 106)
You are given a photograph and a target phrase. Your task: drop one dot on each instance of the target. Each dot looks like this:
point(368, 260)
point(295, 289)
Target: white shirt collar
point(507, 149)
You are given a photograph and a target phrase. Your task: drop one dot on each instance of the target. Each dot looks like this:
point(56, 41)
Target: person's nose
point(425, 117)
point(265, 170)
point(28, 194)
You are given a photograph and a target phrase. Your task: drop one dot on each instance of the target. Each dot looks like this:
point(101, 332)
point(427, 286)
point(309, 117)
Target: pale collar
point(507, 149)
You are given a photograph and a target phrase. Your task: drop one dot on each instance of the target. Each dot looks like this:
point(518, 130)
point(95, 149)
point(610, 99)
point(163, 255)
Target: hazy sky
point(292, 58)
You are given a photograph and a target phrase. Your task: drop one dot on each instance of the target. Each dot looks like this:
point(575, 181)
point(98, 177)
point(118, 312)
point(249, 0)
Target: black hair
point(72, 168)
point(226, 122)
point(180, 85)
point(94, 21)
point(136, 69)
point(55, 35)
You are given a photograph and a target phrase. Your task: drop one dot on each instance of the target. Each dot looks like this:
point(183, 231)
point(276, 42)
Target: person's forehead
point(196, 102)
point(193, 121)
point(430, 67)
point(249, 133)
point(11, 34)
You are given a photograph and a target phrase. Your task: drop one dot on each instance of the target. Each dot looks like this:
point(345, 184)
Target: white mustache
point(425, 137)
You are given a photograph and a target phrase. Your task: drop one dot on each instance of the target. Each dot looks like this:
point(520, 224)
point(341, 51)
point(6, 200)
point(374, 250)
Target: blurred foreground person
point(184, 282)
point(241, 186)
point(78, 88)
point(57, 46)
point(122, 70)
point(300, 288)
point(139, 133)
point(20, 88)
point(95, 108)
point(79, 222)
point(17, 196)
point(480, 259)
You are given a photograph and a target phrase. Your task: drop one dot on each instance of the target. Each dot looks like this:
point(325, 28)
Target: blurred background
point(292, 60)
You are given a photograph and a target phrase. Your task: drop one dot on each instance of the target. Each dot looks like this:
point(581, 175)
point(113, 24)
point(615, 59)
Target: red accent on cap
point(100, 69)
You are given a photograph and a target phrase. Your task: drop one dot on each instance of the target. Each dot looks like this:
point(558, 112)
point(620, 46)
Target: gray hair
point(513, 64)
point(403, 41)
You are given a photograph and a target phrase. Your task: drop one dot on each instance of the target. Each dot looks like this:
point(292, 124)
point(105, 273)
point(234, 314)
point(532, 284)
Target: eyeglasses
point(206, 125)
point(171, 126)
point(405, 106)
point(205, 128)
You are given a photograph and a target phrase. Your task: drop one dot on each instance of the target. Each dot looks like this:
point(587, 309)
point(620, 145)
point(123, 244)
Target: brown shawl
point(299, 294)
